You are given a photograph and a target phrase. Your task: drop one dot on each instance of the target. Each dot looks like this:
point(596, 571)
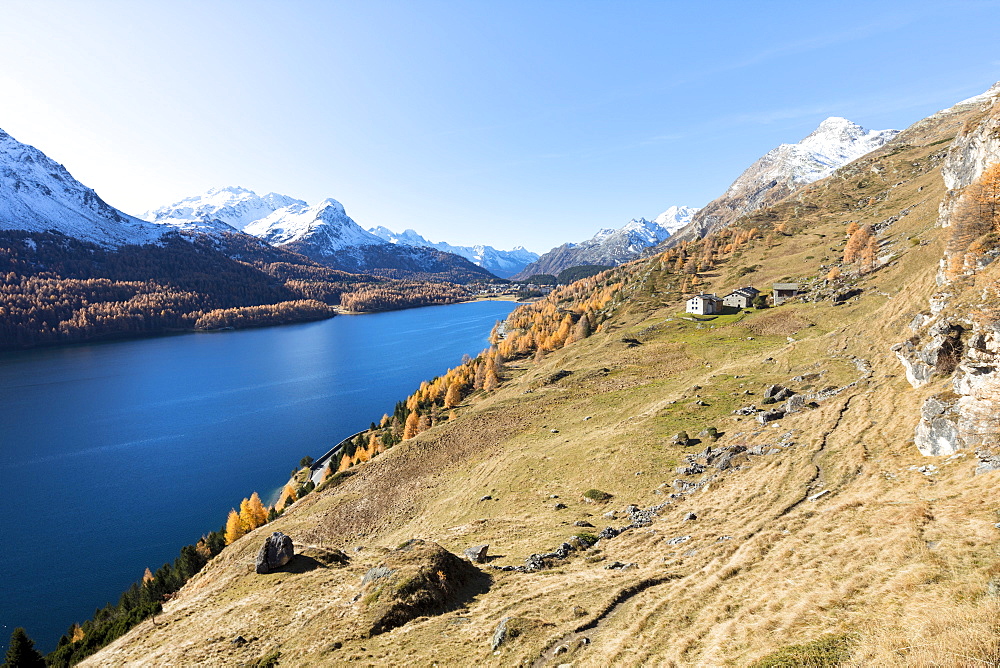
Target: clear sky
point(493, 122)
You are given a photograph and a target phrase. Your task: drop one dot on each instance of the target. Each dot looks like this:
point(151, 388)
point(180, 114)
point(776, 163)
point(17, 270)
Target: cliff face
point(957, 343)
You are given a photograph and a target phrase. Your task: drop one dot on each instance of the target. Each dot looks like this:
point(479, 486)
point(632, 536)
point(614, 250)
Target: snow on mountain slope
point(612, 246)
point(222, 209)
point(500, 262)
point(675, 218)
point(38, 194)
point(782, 170)
point(323, 232)
point(326, 225)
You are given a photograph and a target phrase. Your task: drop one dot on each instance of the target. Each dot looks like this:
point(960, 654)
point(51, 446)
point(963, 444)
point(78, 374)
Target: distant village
point(745, 297)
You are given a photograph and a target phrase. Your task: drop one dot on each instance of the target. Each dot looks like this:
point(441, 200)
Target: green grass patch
point(830, 650)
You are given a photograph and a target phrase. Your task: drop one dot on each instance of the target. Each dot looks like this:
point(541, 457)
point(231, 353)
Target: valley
point(640, 502)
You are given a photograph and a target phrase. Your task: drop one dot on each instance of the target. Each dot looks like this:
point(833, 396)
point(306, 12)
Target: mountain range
point(611, 246)
point(322, 232)
point(499, 262)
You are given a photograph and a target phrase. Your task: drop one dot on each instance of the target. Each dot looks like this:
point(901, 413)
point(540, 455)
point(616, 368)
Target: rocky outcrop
point(417, 578)
point(276, 551)
point(964, 417)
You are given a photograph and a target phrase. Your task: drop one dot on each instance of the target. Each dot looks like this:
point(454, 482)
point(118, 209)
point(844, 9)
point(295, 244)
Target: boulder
point(770, 416)
point(276, 551)
point(477, 554)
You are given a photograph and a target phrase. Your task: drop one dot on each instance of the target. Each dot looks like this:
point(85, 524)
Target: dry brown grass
point(899, 560)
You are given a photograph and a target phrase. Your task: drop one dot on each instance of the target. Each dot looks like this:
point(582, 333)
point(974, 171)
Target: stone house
point(741, 297)
point(704, 304)
point(783, 292)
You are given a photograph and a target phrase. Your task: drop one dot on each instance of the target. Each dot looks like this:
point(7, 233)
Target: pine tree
point(234, 527)
point(21, 652)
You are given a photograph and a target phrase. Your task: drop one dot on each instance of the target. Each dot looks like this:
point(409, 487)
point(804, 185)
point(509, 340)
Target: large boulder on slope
point(276, 551)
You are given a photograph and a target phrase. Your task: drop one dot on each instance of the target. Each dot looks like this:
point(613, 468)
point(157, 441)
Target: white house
point(704, 305)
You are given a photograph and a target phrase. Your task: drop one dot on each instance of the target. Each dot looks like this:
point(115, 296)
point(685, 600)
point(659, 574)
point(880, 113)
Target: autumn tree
point(257, 511)
point(412, 427)
point(856, 244)
point(868, 254)
point(453, 397)
point(234, 527)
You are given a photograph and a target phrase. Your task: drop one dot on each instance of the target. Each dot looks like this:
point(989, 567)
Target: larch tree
point(257, 510)
point(857, 243)
point(412, 426)
point(234, 527)
point(453, 396)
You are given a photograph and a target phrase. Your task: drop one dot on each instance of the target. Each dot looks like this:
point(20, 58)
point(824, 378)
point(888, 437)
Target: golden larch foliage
point(234, 527)
point(412, 426)
point(258, 512)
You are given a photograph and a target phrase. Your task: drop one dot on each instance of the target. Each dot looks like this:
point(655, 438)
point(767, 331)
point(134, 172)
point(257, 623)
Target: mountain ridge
point(611, 246)
point(782, 170)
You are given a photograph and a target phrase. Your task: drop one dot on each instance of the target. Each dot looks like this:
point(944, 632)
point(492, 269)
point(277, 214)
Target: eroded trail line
point(576, 638)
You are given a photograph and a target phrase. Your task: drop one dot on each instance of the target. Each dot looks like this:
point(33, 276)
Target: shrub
point(597, 495)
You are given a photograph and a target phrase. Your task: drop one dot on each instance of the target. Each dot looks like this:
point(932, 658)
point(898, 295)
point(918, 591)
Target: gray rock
point(534, 563)
point(795, 403)
point(477, 554)
point(770, 416)
point(772, 392)
point(987, 461)
point(276, 551)
point(500, 634)
point(560, 506)
point(690, 516)
point(582, 523)
point(678, 540)
point(376, 573)
point(938, 433)
point(609, 532)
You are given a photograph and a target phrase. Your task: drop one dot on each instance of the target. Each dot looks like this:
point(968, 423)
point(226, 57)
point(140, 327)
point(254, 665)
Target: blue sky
point(502, 123)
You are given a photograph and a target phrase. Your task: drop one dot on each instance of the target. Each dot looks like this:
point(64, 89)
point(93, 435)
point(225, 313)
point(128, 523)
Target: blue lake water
point(114, 455)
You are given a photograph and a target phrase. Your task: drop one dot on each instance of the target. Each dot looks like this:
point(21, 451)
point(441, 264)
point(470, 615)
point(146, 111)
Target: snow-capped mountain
point(499, 262)
point(782, 170)
point(322, 232)
point(220, 209)
point(612, 246)
point(37, 194)
point(325, 225)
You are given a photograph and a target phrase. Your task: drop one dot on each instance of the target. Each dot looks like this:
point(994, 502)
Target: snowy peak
point(501, 263)
point(782, 170)
point(326, 225)
point(612, 246)
point(38, 194)
point(834, 143)
point(220, 209)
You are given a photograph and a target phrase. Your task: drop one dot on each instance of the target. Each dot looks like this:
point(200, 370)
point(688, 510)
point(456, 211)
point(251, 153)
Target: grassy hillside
point(815, 539)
